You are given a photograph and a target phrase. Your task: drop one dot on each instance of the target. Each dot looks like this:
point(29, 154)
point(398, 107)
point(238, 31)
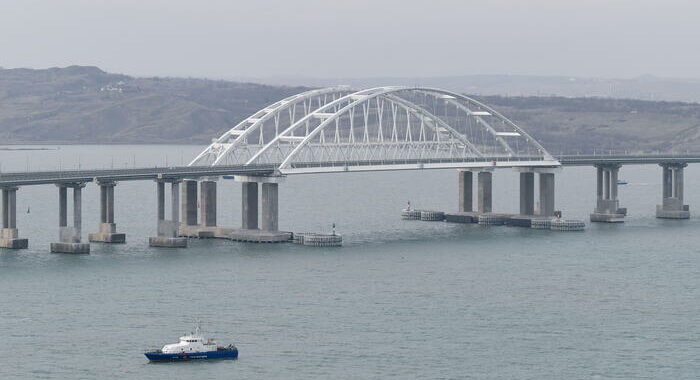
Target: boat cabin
point(190, 343)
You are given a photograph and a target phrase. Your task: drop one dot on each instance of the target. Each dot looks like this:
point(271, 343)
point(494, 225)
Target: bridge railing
point(468, 160)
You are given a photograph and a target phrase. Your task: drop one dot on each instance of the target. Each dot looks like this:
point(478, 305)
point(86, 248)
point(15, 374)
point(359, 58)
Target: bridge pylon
point(168, 230)
point(672, 206)
point(607, 209)
point(70, 236)
point(107, 232)
point(10, 235)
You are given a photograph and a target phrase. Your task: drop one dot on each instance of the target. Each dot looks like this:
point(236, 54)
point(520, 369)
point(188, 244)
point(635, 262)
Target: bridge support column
point(484, 195)
point(168, 230)
point(9, 237)
point(546, 194)
point(465, 191)
point(270, 207)
point(527, 193)
point(207, 203)
point(174, 203)
point(70, 237)
point(249, 206)
point(546, 190)
point(607, 208)
point(269, 202)
point(672, 206)
point(189, 203)
point(107, 228)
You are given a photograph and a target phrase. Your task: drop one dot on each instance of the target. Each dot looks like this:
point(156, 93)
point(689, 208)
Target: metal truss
point(383, 128)
point(266, 124)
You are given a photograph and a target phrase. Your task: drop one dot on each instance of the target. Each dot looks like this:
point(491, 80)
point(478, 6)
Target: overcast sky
point(355, 38)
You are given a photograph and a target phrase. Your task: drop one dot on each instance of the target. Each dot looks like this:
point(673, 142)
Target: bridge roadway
point(626, 159)
point(134, 174)
point(181, 172)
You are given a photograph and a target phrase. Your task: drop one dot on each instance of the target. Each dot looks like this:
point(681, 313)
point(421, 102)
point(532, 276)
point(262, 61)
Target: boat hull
point(187, 356)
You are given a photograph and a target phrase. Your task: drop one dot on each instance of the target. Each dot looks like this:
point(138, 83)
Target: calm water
point(401, 299)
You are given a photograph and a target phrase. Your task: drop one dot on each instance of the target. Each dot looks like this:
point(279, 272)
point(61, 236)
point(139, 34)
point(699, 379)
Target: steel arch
point(223, 145)
point(467, 133)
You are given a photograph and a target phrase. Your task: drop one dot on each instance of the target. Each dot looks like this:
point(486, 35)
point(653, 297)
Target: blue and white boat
point(192, 347)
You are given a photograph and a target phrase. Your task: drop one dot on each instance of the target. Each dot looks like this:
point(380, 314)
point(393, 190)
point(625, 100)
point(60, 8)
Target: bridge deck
point(627, 159)
point(135, 174)
point(182, 172)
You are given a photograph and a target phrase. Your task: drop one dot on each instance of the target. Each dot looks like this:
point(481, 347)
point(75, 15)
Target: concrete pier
point(672, 206)
point(70, 237)
point(250, 232)
point(546, 194)
point(269, 213)
point(607, 208)
point(10, 235)
point(189, 202)
point(206, 228)
point(107, 230)
point(207, 203)
point(270, 207)
point(484, 193)
point(527, 193)
point(168, 230)
point(249, 206)
point(465, 191)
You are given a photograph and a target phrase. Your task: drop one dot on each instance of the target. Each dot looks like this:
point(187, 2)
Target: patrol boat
point(192, 347)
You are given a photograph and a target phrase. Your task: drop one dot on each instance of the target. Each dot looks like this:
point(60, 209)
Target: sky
point(355, 38)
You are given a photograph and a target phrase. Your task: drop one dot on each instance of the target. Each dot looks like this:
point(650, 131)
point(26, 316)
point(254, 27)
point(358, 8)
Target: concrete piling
point(607, 208)
point(160, 202)
point(207, 203)
point(168, 230)
point(268, 231)
point(62, 206)
point(484, 194)
point(107, 230)
point(70, 237)
point(189, 202)
point(269, 202)
point(527, 193)
point(465, 191)
point(249, 206)
point(432, 216)
point(318, 240)
point(270, 207)
point(546, 191)
point(546, 194)
point(672, 206)
point(10, 235)
point(174, 202)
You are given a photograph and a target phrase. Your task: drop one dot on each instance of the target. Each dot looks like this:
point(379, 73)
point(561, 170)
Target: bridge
point(340, 129)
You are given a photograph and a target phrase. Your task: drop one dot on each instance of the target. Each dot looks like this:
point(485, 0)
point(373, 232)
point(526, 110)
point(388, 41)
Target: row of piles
point(317, 240)
point(494, 219)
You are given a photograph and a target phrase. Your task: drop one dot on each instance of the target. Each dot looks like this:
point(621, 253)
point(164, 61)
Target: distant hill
point(583, 125)
point(80, 104)
point(646, 87)
point(85, 104)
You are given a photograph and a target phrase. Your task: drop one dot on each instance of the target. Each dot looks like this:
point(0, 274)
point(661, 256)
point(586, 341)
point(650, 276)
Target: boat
point(192, 346)
point(621, 182)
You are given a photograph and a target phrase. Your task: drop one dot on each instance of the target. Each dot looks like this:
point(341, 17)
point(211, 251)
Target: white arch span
point(382, 128)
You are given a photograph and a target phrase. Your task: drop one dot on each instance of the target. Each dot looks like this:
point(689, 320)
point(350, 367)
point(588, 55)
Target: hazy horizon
point(359, 39)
